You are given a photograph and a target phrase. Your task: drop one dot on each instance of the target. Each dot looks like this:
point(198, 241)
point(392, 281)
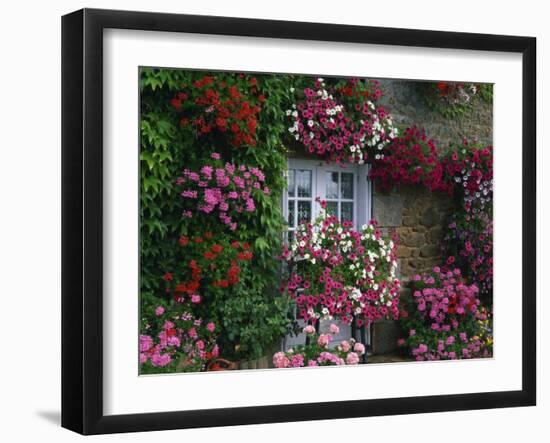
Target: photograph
point(300, 221)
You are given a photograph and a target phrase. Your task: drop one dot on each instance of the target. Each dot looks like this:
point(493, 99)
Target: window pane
point(303, 180)
point(346, 189)
point(346, 211)
point(291, 212)
point(331, 180)
point(304, 211)
point(332, 208)
point(291, 183)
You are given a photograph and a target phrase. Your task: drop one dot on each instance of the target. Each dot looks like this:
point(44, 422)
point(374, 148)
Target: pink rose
point(211, 327)
point(345, 346)
point(352, 358)
point(324, 340)
point(359, 348)
point(309, 329)
point(334, 329)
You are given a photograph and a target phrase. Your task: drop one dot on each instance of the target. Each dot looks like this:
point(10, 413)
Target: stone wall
point(407, 108)
point(418, 215)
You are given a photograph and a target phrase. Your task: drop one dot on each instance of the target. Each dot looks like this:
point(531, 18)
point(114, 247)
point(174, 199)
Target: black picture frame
point(82, 218)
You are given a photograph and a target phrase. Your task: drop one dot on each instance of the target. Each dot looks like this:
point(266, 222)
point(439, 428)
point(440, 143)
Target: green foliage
point(255, 315)
point(453, 99)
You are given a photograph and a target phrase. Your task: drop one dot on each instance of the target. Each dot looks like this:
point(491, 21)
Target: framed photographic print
point(269, 221)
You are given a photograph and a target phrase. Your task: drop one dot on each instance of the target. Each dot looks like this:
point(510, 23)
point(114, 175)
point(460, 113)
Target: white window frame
point(362, 188)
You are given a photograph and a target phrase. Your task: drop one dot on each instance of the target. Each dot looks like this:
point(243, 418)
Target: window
point(346, 190)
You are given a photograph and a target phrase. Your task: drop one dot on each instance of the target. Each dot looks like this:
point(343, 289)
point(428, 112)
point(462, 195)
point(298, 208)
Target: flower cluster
point(335, 271)
point(450, 99)
point(210, 264)
point(410, 160)
point(318, 353)
point(444, 319)
point(469, 245)
point(471, 167)
point(226, 190)
point(469, 239)
point(342, 122)
point(215, 105)
point(177, 339)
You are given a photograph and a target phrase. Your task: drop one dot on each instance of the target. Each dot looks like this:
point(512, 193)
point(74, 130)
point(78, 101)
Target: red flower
point(184, 241)
point(168, 276)
point(176, 103)
point(217, 248)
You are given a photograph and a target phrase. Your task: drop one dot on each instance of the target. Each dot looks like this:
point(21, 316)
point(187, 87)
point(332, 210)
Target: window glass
point(291, 183)
point(304, 211)
point(331, 182)
point(346, 189)
point(303, 182)
point(346, 211)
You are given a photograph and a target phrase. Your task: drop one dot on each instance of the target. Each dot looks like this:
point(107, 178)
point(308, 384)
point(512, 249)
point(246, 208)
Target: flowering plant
point(443, 319)
point(471, 167)
point(469, 239)
point(469, 245)
point(450, 99)
point(226, 190)
point(174, 339)
point(211, 265)
point(336, 271)
point(318, 353)
point(409, 160)
point(341, 121)
point(222, 105)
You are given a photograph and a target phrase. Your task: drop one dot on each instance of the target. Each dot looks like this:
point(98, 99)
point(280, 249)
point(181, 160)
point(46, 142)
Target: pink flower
point(211, 327)
point(195, 298)
point(345, 346)
point(309, 329)
point(158, 359)
point(359, 348)
point(334, 329)
point(159, 311)
point(215, 156)
point(324, 340)
point(352, 358)
point(145, 343)
point(280, 360)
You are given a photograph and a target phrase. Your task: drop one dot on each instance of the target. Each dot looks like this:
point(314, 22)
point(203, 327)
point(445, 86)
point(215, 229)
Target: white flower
point(292, 89)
